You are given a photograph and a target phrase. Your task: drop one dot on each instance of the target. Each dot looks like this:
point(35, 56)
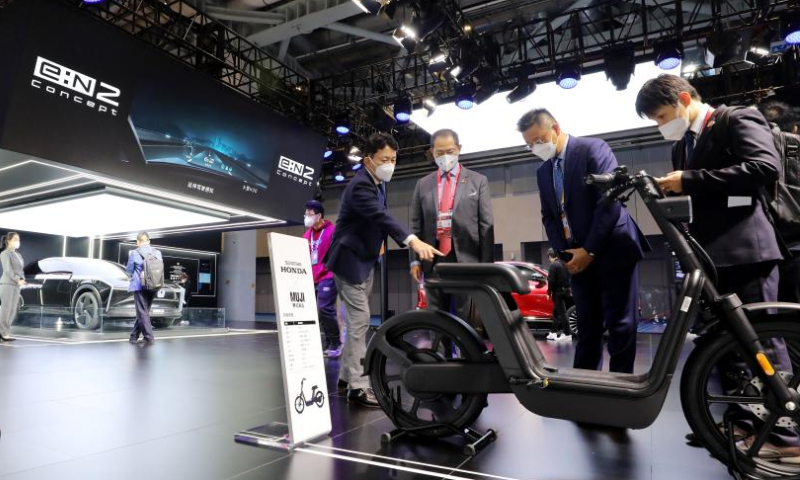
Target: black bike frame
point(621, 400)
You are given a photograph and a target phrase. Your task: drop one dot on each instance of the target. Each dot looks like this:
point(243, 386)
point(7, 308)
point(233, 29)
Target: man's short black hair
point(782, 114)
point(315, 207)
point(539, 116)
point(660, 91)
point(445, 132)
point(379, 141)
point(551, 253)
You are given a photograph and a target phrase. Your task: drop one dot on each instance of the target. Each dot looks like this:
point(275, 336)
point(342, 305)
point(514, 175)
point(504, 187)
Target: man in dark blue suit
point(363, 224)
point(723, 164)
point(599, 239)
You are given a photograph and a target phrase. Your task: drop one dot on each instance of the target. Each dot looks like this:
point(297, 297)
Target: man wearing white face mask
point(723, 158)
point(453, 208)
point(363, 224)
point(319, 236)
point(599, 240)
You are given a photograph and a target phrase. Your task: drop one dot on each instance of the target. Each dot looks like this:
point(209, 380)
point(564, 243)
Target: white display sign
point(304, 383)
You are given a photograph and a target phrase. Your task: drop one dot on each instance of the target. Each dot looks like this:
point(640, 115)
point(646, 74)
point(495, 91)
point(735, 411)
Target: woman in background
point(13, 278)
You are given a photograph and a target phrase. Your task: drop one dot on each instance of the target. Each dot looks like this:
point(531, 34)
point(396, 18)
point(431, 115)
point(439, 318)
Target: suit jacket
point(473, 225)
point(602, 228)
point(136, 266)
point(363, 224)
point(12, 267)
point(727, 169)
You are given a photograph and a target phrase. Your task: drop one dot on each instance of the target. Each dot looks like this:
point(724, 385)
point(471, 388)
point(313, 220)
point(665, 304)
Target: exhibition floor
point(170, 411)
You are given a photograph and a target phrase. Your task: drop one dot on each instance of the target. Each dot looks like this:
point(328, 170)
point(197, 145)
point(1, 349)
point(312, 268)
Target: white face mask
point(675, 129)
point(447, 162)
point(383, 172)
point(15, 245)
point(310, 220)
point(545, 151)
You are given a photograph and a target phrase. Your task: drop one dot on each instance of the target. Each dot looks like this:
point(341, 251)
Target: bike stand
point(476, 440)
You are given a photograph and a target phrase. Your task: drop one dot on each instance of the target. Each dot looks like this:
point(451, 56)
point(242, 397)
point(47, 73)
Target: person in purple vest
point(319, 236)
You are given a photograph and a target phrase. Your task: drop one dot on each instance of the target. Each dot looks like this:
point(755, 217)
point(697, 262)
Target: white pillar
point(237, 276)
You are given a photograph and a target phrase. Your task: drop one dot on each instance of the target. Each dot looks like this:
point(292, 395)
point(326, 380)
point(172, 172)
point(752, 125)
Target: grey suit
point(12, 263)
point(473, 228)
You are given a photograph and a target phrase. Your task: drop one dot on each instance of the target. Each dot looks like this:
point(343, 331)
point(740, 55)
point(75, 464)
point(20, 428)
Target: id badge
point(565, 224)
point(444, 224)
point(314, 257)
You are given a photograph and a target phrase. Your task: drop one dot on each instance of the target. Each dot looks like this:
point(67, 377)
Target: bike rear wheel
point(709, 392)
point(427, 337)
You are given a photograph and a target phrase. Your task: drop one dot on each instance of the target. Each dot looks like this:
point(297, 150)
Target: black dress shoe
point(341, 384)
point(134, 340)
point(363, 397)
point(7, 339)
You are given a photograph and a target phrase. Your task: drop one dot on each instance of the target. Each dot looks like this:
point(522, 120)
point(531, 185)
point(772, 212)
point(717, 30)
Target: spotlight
point(407, 37)
point(93, 1)
point(372, 7)
point(355, 155)
point(427, 17)
point(438, 60)
point(339, 177)
point(469, 60)
point(619, 65)
point(379, 118)
point(465, 95)
point(430, 105)
point(525, 85)
point(568, 75)
point(357, 166)
point(790, 28)
point(328, 150)
point(668, 54)
point(488, 86)
point(402, 109)
point(388, 9)
point(342, 123)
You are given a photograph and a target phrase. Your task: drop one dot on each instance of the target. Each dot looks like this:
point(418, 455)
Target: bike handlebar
point(600, 178)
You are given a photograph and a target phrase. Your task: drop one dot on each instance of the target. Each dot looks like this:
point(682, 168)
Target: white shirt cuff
point(409, 239)
point(416, 263)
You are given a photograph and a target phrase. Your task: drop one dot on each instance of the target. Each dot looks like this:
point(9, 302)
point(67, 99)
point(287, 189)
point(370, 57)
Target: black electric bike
point(300, 402)
point(431, 372)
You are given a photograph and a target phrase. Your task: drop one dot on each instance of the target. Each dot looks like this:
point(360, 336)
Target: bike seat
point(503, 278)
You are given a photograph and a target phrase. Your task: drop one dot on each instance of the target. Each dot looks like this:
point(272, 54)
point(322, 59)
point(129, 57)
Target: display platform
point(80, 411)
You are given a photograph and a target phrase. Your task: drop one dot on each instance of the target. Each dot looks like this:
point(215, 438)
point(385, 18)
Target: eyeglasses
point(529, 146)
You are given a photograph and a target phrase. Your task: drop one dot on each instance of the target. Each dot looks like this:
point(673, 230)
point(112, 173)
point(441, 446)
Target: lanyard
point(315, 244)
point(453, 186)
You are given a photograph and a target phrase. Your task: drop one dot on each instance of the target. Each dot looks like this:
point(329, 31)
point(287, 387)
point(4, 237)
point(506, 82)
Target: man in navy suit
point(722, 165)
point(599, 239)
point(363, 224)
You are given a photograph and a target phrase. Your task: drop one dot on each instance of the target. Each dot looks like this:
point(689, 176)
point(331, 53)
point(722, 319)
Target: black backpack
point(152, 270)
point(782, 198)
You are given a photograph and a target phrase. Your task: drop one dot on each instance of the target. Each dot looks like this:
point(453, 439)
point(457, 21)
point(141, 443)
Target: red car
point(536, 307)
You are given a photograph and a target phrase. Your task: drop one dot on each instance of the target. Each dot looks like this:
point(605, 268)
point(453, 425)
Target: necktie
point(382, 194)
point(445, 206)
point(688, 138)
point(558, 182)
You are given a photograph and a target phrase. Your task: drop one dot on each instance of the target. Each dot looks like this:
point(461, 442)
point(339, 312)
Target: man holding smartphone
point(598, 240)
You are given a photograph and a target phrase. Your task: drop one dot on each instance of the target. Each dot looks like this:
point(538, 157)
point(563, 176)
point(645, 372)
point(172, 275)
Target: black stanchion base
point(476, 441)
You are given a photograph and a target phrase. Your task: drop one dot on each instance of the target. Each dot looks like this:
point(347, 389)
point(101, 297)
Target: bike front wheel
point(427, 337)
point(299, 404)
point(718, 387)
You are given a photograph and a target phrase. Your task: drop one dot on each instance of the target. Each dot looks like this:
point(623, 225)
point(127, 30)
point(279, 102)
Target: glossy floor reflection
point(169, 411)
